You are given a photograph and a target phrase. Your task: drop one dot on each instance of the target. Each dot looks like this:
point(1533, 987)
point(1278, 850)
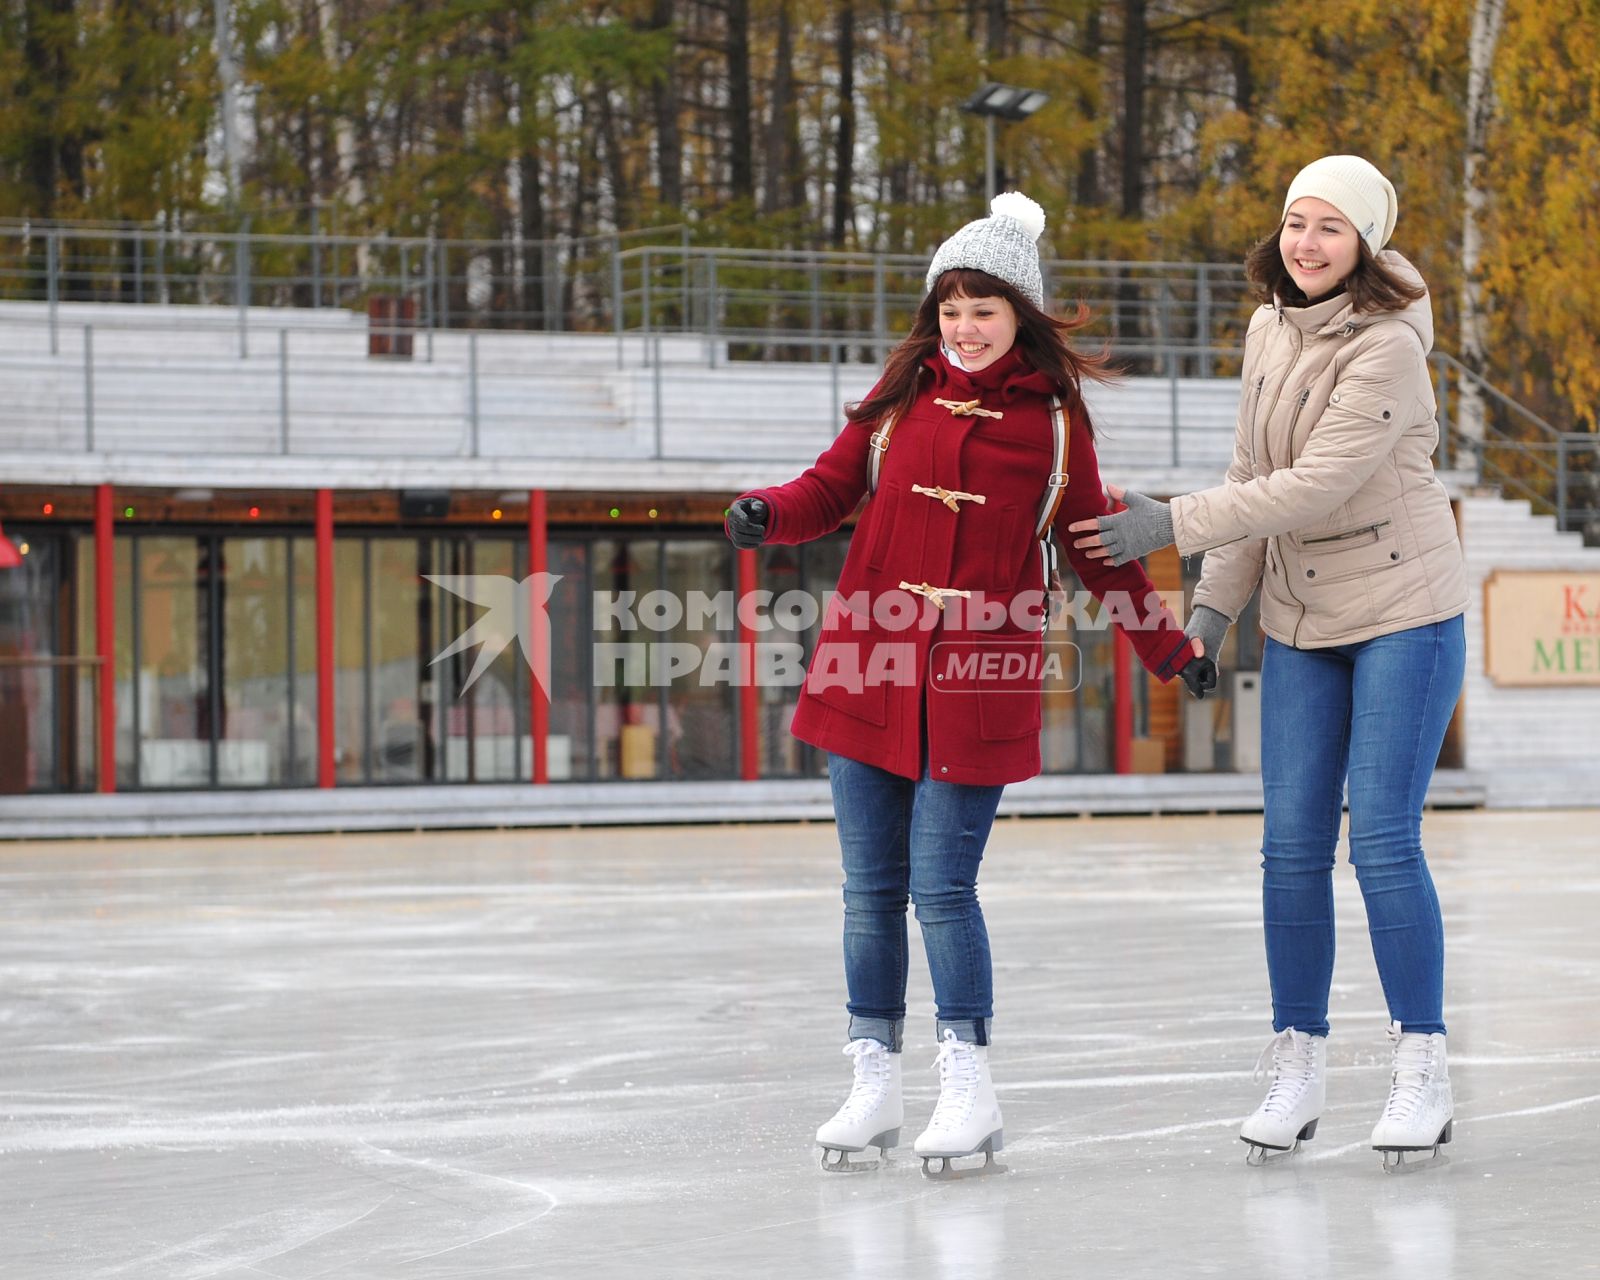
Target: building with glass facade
point(227, 658)
point(260, 566)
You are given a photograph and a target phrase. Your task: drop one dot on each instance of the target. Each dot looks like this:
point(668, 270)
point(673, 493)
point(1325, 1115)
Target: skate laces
point(872, 1076)
point(1293, 1064)
point(958, 1081)
point(1416, 1064)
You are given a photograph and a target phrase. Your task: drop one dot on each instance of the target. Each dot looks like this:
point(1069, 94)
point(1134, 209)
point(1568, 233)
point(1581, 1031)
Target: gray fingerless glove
point(1144, 527)
point(1209, 627)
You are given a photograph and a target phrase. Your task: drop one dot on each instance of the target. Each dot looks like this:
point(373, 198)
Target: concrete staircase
point(136, 394)
point(1525, 746)
point(179, 381)
point(173, 380)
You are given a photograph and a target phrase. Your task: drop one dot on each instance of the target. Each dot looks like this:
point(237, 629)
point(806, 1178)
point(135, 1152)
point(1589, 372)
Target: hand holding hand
point(1143, 526)
point(1199, 673)
point(747, 523)
point(1206, 631)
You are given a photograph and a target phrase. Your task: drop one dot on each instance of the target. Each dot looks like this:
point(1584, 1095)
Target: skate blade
point(1394, 1158)
point(1260, 1154)
point(837, 1159)
point(1395, 1161)
point(948, 1172)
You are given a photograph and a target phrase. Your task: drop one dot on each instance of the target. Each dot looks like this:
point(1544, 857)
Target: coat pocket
point(1005, 714)
point(850, 672)
point(882, 507)
point(1344, 554)
point(1008, 690)
point(988, 683)
point(1002, 556)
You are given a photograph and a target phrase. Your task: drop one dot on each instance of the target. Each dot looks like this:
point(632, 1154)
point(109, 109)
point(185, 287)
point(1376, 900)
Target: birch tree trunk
point(1487, 18)
point(347, 185)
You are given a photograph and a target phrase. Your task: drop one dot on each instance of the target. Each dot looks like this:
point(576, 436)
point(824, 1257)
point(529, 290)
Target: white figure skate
point(1288, 1115)
point(871, 1115)
point(1420, 1113)
point(967, 1119)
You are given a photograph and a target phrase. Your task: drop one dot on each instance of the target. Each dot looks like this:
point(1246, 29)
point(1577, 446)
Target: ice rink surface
point(603, 1053)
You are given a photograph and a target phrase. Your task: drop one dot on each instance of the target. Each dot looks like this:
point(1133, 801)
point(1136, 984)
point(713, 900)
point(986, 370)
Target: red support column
point(749, 695)
point(325, 659)
point(1122, 703)
point(105, 635)
point(539, 708)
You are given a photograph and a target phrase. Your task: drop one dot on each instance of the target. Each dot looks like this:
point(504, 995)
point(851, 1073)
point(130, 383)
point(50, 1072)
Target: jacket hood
point(1336, 316)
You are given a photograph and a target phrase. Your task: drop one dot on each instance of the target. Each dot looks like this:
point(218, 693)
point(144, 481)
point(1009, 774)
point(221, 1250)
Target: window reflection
point(172, 689)
point(254, 746)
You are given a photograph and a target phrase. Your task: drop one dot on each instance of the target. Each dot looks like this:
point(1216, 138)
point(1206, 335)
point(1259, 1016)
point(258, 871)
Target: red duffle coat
point(977, 732)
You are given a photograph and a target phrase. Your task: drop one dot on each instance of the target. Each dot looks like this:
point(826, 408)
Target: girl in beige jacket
point(1332, 509)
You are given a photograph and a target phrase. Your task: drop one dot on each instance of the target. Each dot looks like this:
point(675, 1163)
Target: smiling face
point(1320, 248)
point(980, 330)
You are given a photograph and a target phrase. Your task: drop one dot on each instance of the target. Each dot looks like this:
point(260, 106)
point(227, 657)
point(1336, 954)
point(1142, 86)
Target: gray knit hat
point(1004, 244)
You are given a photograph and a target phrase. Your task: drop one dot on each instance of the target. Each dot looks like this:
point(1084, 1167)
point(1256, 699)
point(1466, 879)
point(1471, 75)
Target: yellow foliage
point(1543, 238)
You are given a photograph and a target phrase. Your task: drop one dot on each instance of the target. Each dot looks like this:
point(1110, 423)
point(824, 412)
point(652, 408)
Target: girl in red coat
point(925, 686)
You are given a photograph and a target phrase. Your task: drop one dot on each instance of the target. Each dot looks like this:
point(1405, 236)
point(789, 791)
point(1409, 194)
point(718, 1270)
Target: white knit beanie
point(1356, 189)
point(1005, 245)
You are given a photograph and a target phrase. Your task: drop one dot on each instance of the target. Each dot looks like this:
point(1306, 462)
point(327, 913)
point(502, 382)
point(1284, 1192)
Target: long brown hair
point(1042, 339)
point(1371, 286)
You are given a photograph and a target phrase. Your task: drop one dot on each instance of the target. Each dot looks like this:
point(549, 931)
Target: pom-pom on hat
point(1005, 244)
point(1356, 189)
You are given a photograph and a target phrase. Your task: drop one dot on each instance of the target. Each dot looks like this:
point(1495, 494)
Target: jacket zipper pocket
point(1255, 413)
point(1283, 566)
point(1294, 421)
point(1362, 532)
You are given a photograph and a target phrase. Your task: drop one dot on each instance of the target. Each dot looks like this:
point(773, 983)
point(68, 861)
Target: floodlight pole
point(1000, 101)
point(988, 161)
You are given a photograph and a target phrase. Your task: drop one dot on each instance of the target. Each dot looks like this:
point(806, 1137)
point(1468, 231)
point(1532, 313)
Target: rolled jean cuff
point(886, 1031)
point(968, 1030)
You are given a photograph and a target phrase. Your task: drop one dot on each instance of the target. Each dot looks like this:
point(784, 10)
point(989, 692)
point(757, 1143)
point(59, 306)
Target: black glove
point(747, 523)
point(1210, 627)
point(1200, 674)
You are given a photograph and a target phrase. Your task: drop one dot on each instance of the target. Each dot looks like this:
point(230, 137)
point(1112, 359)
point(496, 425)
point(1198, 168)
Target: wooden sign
point(1541, 628)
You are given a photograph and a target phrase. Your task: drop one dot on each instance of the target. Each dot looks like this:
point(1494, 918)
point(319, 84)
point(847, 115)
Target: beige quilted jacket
point(1331, 504)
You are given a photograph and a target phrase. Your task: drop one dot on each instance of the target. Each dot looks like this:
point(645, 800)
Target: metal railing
point(1516, 451)
point(551, 285)
point(1156, 319)
point(309, 377)
point(290, 393)
point(646, 282)
point(758, 302)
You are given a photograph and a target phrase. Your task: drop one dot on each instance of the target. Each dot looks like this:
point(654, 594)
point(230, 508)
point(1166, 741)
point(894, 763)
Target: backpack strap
point(1056, 485)
point(877, 446)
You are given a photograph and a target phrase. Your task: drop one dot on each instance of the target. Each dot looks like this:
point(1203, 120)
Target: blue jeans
point(1375, 711)
point(920, 841)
